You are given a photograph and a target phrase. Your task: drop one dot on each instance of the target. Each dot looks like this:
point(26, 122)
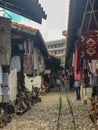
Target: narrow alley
point(48, 65)
point(53, 113)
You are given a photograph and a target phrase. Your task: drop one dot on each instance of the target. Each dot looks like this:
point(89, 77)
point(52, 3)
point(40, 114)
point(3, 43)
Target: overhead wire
point(83, 19)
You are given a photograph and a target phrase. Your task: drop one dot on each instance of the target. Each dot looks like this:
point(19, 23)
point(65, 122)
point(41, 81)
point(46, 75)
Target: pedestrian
point(71, 81)
point(62, 80)
point(77, 88)
point(94, 85)
point(66, 82)
point(58, 83)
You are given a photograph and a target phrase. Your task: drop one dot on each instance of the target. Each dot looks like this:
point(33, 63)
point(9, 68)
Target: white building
point(57, 48)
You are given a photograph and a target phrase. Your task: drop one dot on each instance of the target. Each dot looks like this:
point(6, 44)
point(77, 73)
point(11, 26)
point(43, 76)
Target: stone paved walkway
point(44, 115)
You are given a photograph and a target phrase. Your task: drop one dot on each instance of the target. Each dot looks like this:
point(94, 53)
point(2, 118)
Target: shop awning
point(52, 63)
point(30, 9)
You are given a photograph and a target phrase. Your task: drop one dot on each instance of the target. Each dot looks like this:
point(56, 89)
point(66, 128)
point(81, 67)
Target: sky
point(57, 19)
point(57, 16)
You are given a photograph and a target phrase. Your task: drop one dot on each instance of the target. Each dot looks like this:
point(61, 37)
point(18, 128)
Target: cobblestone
point(44, 115)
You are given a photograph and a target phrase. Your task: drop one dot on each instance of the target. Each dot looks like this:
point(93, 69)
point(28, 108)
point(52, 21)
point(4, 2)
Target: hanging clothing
point(28, 56)
point(5, 79)
point(37, 81)
point(93, 66)
point(76, 62)
point(5, 98)
point(28, 82)
point(13, 87)
point(5, 88)
point(15, 63)
point(1, 93)
point(0, 74)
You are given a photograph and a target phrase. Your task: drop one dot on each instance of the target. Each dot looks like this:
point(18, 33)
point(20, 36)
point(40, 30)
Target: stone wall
point(5, 41)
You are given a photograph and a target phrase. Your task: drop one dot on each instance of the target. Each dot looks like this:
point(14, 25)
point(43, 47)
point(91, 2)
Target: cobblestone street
point(44, 115)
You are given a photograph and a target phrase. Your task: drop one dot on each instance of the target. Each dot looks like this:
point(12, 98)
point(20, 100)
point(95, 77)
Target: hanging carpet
point(90, 45)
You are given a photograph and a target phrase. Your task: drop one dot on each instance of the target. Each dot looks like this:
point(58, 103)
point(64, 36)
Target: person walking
point(58, 83)
point(62, 80)
point(71, 81)
point(66, 82)
point(77, 88)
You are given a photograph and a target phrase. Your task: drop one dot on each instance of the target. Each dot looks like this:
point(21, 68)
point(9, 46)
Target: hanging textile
point(35, 58)
point(76, 62)
point(5, 79)
point(5, 41)
point(1, 91)
point(13, 86)
point(90, 45)
point(28, 56)
point(5, 98)
point(5, 88)
point(1, 94)
point(28, 82)
point(37, 81)
point(1, 75)
point(15, 63)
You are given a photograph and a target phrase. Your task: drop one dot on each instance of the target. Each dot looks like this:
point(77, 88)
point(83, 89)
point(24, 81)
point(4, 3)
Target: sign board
point(47, 71)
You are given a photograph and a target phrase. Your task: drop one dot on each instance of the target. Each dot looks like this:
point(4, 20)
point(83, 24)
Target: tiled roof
point(30, 9)
point(24, 26)
point(38, 38)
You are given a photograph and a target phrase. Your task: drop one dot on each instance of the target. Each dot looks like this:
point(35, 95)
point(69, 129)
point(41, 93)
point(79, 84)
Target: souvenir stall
point(21, 62)
point(28, 63)
point(85, 33)
point(90, 65)
point(12, 55)
point(17, 59)
point(89, 50)
point(31, 81)
point(86, 69)
point(25, 41)
point(16, 71)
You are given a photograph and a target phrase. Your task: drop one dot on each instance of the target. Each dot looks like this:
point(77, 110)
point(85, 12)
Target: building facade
point(58, 49)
